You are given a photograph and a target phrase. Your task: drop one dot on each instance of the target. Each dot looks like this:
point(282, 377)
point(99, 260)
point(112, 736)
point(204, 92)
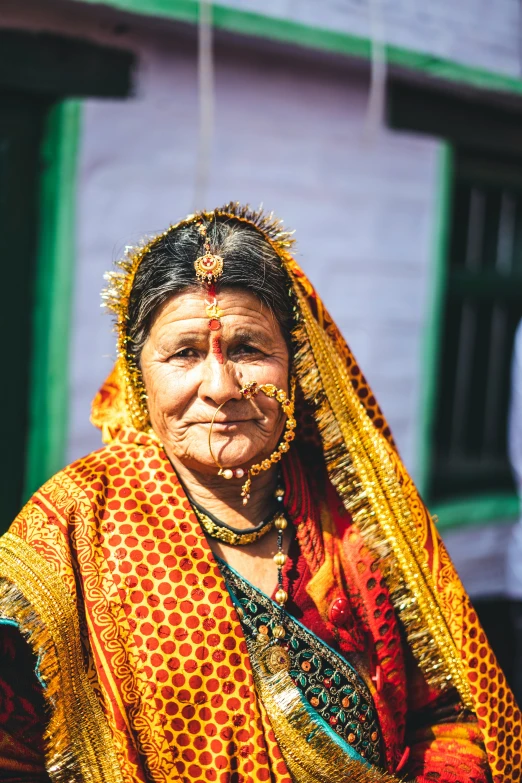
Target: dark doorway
point(37, 71)
point(22, 119)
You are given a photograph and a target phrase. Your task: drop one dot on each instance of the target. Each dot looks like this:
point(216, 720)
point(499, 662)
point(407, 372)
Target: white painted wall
point(290, 137)
point(480, 33)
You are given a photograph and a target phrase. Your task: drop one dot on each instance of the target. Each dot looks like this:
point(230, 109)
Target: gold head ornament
point(208, 267)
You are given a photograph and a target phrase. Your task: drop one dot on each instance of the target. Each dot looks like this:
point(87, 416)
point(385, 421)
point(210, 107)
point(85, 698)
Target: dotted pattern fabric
point(169, 659)
point(184, 635)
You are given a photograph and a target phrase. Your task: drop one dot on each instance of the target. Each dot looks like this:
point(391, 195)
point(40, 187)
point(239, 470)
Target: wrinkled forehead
point(241, 314)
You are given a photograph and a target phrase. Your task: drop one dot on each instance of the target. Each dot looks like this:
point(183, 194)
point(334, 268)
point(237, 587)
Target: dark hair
point(250, 263)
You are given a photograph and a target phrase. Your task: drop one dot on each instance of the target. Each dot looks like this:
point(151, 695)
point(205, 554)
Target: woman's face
point(189, 371)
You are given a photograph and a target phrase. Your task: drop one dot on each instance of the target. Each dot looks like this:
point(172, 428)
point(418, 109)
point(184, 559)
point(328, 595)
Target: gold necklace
point(222, 532)
point(219, 530)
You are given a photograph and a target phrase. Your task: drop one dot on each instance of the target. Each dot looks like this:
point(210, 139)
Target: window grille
point(481, 310)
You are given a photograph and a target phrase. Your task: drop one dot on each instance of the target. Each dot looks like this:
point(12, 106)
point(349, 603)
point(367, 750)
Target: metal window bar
point(482, 309)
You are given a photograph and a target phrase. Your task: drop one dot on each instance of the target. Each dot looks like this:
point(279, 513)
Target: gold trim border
point(79, 744)
point(311, 756)
point(365, 477)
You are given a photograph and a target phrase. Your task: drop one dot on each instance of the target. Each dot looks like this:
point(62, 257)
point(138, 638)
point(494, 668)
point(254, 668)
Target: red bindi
point(216, 349)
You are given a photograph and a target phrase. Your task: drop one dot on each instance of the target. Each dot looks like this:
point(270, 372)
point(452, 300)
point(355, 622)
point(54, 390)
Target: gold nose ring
point(249, 391)
point(210, 437)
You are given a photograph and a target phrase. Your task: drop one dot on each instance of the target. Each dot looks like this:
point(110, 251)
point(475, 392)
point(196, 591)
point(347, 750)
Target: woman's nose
point(220, 382)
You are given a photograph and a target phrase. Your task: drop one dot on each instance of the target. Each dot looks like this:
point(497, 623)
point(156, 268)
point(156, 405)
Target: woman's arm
point(444, 740)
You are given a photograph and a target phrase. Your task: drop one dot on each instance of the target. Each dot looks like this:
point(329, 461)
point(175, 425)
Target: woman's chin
point(238, 459)
point(228, 458)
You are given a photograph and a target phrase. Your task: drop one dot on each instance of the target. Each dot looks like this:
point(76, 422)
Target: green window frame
point(468, 476)
point(480, 146)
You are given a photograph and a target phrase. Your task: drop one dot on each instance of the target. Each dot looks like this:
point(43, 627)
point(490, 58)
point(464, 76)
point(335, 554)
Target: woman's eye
point(185, 353)
point(247, 350)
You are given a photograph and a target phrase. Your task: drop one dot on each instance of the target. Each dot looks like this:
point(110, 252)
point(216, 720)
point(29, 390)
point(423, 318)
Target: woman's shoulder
point(85, 481)
point(64, 515)
point(69, 494)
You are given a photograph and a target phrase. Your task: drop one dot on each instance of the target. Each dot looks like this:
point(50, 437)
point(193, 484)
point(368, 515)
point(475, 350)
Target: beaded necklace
point(220, 531)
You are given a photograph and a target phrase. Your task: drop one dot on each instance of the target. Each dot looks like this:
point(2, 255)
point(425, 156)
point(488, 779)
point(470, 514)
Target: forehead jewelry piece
point(248, 392)
point(209, 268)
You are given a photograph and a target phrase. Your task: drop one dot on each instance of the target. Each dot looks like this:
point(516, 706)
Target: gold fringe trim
point(311, 755)
point(79, 744)
point(360, 468)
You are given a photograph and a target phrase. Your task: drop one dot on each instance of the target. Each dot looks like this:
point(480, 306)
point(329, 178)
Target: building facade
point(407, 223)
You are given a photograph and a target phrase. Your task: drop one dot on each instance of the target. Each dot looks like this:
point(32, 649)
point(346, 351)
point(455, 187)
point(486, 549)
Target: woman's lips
point(228, 422)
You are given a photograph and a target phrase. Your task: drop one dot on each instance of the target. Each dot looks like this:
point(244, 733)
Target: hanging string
point(377, 93)
point(206, 103)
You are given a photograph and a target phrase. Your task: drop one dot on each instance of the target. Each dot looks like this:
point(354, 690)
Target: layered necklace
point(220, 531)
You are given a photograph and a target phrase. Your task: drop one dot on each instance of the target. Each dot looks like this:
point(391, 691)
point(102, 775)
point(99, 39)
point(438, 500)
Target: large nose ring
point(249, 391)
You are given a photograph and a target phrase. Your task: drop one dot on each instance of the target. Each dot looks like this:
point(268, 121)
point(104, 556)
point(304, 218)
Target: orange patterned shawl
point(109, 577)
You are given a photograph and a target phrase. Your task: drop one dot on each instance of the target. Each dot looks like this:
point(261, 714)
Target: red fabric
point(435, 755)
point(427, 737)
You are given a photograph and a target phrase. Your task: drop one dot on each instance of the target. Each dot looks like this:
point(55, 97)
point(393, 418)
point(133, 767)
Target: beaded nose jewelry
point(248, 392)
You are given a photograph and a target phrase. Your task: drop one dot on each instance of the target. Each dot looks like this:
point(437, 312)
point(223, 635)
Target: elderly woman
point(244, 584)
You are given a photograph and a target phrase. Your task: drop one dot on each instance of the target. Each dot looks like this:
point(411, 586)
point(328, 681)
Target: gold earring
point(249, 391)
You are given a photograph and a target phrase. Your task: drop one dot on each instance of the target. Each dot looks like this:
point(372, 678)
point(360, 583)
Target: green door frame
point(56, 66)
point(485, 126)
point(49, 395)
point(433, 322)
